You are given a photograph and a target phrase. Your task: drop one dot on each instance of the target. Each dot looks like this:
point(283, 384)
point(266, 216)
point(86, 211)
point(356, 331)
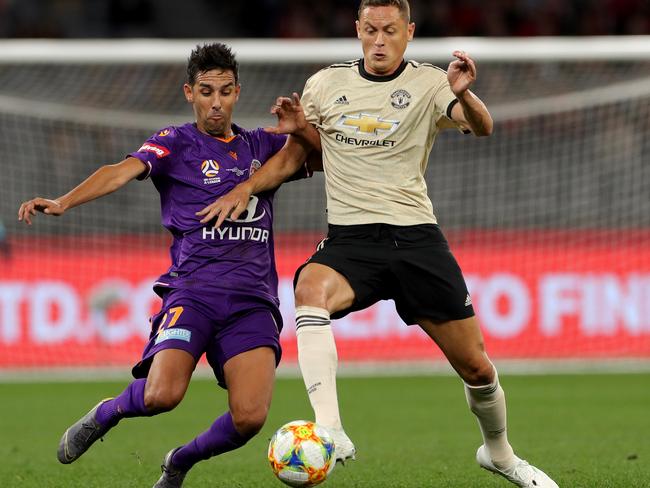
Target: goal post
point(549, 217)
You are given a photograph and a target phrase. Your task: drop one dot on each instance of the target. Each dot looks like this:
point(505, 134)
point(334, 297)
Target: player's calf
point(80, 436)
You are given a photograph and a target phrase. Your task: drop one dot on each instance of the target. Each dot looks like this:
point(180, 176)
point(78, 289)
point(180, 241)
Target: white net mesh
point(548, 217)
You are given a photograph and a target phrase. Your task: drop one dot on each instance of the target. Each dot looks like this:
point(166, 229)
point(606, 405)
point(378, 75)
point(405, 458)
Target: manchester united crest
point(400, 99)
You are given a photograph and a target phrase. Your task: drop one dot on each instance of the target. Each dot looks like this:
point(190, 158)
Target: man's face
point(384, 35)
point(213, 97)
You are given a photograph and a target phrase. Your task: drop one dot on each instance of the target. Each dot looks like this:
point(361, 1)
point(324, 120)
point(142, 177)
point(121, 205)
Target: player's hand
point(291, 116)
point(231, 205)
point(461, 73)
point(29, 208)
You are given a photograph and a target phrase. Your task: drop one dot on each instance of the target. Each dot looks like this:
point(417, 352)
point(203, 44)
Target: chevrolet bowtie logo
point(368, 124)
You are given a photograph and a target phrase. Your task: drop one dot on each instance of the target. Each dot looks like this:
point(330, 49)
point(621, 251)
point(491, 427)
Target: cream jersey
point(376, 134)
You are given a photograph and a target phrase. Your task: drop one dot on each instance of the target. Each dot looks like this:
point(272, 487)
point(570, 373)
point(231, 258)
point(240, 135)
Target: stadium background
point(549, 218)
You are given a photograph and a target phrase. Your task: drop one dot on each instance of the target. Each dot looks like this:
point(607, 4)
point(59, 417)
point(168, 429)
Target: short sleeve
point(311, 101)
point(445, 100)
point(155, 152)
point(265, 144)
point(276, 142)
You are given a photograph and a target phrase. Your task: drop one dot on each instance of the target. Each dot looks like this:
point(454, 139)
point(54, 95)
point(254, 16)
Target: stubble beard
point(215, 129)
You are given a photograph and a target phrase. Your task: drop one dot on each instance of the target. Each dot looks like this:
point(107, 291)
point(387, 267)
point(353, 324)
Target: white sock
point(489, 405)
point(318, 361)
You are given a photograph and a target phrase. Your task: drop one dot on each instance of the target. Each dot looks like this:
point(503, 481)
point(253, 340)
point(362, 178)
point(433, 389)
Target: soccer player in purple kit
point(220, 293)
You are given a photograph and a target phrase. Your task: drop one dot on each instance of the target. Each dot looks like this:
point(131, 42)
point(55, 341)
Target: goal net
point(549, 218)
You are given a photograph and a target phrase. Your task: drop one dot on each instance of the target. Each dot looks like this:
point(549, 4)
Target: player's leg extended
point(462, 343)
point(162, 390)
point(320, 291)
point(250, 377)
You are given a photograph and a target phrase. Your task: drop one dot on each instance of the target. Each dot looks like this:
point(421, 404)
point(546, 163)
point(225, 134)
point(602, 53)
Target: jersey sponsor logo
point(159, 151)
point(400, 99)
point(210, 168)
point(250, 214)
point(353, 141)
point(468, 300)
point(242, 233)
point(175, 333)
point(368, 124)
point(163, 133)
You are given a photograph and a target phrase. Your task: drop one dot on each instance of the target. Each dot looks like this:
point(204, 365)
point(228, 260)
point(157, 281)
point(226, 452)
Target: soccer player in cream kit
point(375, 120)
point(220, 293)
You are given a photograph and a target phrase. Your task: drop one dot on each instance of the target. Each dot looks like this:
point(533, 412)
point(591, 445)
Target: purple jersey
point(191, 170)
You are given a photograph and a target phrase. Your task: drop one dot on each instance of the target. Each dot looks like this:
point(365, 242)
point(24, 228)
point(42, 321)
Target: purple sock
point(129, 403)
point(219, 438)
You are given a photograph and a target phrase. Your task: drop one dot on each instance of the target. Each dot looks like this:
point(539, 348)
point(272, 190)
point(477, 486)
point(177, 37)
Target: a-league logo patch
point(400, 99)
point(210, 168)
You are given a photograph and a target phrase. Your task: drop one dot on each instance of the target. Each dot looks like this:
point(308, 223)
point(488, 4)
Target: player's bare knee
point(249, 422)
point(159, 399)
point(311, 293)
point(478, 372)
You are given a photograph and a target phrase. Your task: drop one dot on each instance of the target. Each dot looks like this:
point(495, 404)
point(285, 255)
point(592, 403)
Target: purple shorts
point(219, 323)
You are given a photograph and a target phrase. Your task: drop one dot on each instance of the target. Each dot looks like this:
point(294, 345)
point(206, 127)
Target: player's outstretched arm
point(470, 112)
point(283, 165)
point(105, 180)
point(292, 120)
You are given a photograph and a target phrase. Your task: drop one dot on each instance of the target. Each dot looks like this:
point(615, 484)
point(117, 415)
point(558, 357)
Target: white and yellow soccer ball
point(301, 453)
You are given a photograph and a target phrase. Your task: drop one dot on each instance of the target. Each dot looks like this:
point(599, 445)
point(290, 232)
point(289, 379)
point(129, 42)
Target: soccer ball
point(301, 453)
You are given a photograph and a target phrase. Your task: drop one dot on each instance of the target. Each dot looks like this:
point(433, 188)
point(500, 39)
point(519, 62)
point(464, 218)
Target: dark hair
point(402, 6)
point(211, 56)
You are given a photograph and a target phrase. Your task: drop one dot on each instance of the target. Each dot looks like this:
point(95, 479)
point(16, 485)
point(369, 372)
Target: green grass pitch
point(588, 431)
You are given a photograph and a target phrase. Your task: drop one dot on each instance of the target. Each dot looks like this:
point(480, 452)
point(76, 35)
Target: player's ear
point(411, 31)
point(187, 89)
point(237, 91)
point(356, 22)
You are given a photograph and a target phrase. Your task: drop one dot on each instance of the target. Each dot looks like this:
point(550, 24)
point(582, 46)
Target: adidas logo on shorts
point(342, 101)
point(468, 300)
point(321, 244)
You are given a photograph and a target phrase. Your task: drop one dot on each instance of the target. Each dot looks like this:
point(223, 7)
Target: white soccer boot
point(521, 474)
point(343, 447)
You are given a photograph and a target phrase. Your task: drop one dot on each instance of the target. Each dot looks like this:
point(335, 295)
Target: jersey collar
point(371, 77)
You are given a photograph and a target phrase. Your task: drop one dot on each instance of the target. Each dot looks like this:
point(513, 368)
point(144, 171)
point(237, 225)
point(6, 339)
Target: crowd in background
point(323, 18)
